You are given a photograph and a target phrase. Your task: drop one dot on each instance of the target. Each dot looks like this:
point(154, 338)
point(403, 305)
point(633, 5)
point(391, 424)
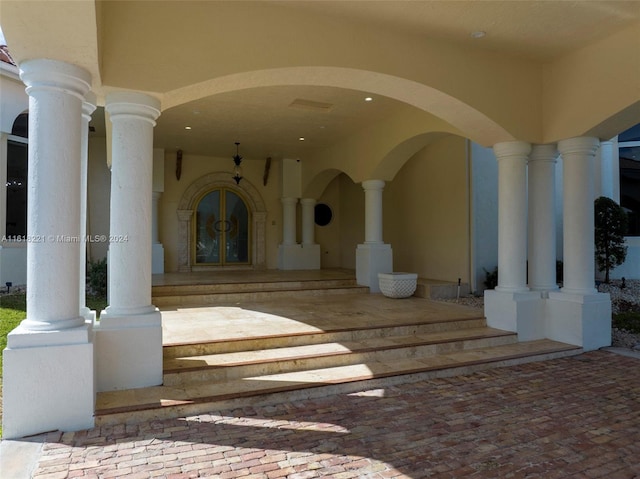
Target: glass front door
point(222, 229)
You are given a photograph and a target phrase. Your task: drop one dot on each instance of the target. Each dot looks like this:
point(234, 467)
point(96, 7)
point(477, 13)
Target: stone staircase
point(271, 368)
point(228, 292)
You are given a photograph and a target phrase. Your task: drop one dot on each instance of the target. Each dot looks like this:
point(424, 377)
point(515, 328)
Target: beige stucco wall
point(328, 237)
point(194, 167)
point(351, 220)
point(426, 216)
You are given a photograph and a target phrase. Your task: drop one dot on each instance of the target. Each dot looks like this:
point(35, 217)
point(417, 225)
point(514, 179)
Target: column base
point(298, 256)
point(580, 319)
point(128, 351)
point(89, 315)
point(520, 312)
point(48, 381)
point(157, 258)
point(372, 259)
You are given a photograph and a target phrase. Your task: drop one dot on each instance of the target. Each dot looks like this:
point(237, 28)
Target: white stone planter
point(397, 285)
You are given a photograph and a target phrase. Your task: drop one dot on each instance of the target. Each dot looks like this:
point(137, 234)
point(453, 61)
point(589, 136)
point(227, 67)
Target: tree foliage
point(610, 227)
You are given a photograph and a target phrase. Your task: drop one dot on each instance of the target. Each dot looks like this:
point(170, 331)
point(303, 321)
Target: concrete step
point(221, 367)
point(250, 287)
point(135, 405)
point(225, 293)
point(341, 335)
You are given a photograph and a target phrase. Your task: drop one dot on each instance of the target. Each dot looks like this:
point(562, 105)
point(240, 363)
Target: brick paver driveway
point(576, 417)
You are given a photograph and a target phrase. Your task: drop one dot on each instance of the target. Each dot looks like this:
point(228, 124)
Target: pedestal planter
point(397, 285)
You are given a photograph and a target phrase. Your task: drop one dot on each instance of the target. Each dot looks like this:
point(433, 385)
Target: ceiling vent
point(311, 105)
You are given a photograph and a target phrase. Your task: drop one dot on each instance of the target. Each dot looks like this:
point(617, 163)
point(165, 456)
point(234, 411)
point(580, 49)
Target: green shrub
point(610, 228)
point(491, 278)
point(97, 277)
point(629, 321)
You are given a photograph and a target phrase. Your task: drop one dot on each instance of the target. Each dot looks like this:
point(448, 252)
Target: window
point(16, 185)
point(629, 149)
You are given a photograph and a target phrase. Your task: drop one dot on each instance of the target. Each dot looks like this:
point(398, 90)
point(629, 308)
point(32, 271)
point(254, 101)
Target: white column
point(48, 380)
point(56, 94)
point(373, 211)
point(129, 335)
point(155, 224)
point(608, 173)
point(133, 117)
point(373, 257)
point(542, 218)
point(308, 220)
point(512, 306)
point(88, 107)
point(578, 159)
point(157, 250)
point(289, 221)
point(512, 215)
point(578, 314)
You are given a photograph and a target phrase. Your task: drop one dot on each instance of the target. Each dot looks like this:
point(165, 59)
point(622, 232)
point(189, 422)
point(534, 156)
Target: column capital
point(123, 104)
point(89, 105)
point(308, 201)
point(586, 145)
point(548, 152)
point(373, 184)
point(511, 149)
point(46, 74)
point(289, 200)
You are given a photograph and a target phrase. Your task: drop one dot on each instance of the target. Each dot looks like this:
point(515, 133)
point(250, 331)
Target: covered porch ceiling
point(171, 48)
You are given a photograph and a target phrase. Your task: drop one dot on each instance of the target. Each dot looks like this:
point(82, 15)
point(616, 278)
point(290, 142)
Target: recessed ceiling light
point(478, 34)
point(301, 138)
point(368, 99)
point(187, 127)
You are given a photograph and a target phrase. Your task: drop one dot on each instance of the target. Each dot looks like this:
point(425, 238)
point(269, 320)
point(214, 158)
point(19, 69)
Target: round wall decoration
point(323, 214)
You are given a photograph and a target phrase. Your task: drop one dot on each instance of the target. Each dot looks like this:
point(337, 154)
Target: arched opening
point(218, 213)
point(222, 229)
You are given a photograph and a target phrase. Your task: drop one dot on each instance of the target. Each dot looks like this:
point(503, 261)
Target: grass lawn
point(13, 309)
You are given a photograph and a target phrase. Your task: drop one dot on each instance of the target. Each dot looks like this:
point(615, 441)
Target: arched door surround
point(187, 208)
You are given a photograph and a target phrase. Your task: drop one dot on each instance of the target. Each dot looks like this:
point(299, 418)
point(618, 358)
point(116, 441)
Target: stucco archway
point(469, 121)
point(187, 205)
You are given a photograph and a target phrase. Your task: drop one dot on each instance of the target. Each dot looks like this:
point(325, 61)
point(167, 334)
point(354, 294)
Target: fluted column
point(542, 218)
point(308, 220)
point(578, 157)
point(56, 94)
point(133, 117)
point(88, 107)
point(373, 211)
point(289, 221)
point(512, 215)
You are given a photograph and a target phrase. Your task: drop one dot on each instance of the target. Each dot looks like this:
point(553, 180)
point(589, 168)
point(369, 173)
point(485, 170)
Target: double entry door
point(222, 229)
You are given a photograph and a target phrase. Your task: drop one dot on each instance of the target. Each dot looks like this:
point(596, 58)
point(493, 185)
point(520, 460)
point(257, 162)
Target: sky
point(2, 40)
